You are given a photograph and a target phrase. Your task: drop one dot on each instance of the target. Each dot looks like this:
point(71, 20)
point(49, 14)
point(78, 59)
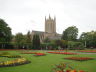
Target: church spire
point(54, 18)
point(45, 18)
point(49, 16)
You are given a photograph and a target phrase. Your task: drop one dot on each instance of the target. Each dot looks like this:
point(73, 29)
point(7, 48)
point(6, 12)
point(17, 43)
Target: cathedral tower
point(50, 25)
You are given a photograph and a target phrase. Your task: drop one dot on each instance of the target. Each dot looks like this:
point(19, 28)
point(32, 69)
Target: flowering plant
point(11, 56)
point(79, 58)
point(36, 53)
point(62, 68)
point(67, 53)
point(15, 62)
point(39, 54)
point(88, 51)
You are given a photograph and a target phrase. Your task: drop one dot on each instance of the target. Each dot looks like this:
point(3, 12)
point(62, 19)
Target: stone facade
point(50, 30)
point(50, 25)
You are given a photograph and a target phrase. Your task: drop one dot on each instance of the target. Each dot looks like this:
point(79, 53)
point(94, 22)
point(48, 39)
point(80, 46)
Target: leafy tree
point(65, 35)
point(5, 33)
point(60, 43)
point(20, 40)
point(43, 46)
point(64, 43)
point(48, 46)
point(88, 38)
point(28, 40)
point(70, 33)
point(36, 41)
point(47, 40)
point(75, 45)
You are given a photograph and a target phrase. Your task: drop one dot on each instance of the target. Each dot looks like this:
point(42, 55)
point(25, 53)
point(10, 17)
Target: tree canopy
point(70, 33)
point(36, 41)
point(5, 32)
point(19, 40)
point(88, 38)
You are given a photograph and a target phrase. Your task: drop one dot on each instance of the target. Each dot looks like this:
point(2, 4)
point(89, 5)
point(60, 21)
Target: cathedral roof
point(38, 32)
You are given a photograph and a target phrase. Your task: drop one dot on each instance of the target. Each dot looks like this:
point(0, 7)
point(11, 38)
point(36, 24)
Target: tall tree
point(36, 42)
point(88, 38)
point(20, 40)
point(28, 40)
point(5, 33)
point(70, 33)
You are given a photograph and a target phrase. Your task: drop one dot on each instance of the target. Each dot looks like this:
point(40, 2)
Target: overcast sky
point(24, 15)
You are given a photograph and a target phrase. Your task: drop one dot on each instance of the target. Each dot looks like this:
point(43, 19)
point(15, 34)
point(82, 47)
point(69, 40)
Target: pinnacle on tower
point(49, 16)
point(54, 18)
point(45, 18)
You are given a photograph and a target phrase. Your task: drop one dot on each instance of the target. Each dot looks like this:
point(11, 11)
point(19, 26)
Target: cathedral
point(50, 30)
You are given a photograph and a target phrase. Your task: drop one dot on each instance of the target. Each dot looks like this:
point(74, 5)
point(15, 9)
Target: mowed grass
point(46, 63)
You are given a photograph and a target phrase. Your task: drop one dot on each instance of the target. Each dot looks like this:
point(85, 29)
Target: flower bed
point(16, 62)
point(79, 58)
point(67, 53)
point(88, 51)
point(7, 54)
point(11, 56)
point(71, 71)
point(36, 53)
point(39, 54)
point(64, 67)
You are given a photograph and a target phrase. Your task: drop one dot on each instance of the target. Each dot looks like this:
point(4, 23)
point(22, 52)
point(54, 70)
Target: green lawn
point(46, 63)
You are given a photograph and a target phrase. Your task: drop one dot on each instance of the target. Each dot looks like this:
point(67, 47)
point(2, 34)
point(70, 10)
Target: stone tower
point(50, 25)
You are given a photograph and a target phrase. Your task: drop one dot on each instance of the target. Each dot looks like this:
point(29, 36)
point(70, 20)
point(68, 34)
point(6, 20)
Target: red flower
point(81, 71)
point(79, 58)
point(39, 54)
